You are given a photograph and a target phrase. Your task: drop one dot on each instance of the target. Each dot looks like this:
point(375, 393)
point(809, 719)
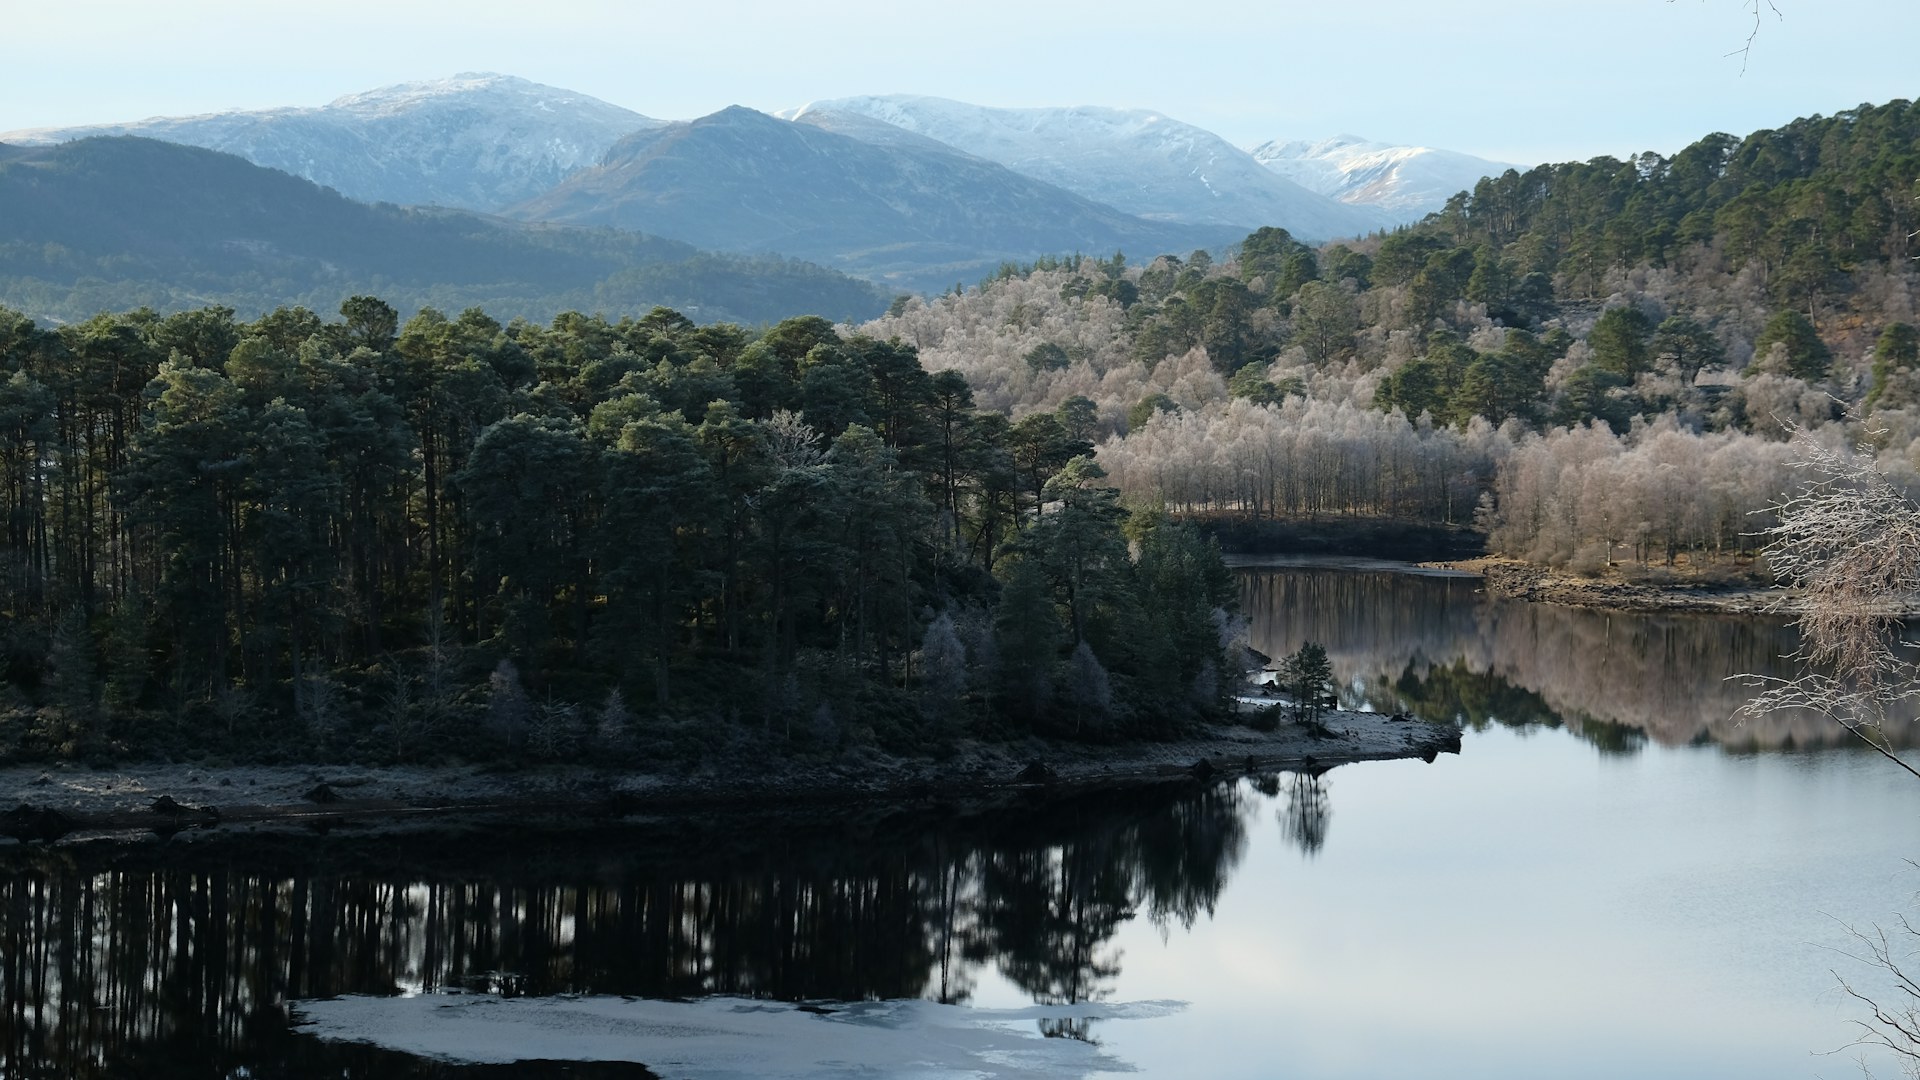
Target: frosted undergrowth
point(729, 1038)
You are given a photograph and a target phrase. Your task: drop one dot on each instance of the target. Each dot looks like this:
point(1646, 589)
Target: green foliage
point(1306, 678)
point(1790, 339)
point(1620, 342)
point(1403, 255)
point(1453, 383)
point(1147, 408)
point(1685, 347)
point(1593, 393)
point(1251, 383)
point(1325, 318)
point(1896, 356)
point(1810, 202)
point(1340, 263)
point(1047, 356)
point(303, 537)
point(1079, 419)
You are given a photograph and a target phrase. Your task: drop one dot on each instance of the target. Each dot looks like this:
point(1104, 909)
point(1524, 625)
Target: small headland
point(53, 802)
point(1725, 588)
point(1732, 586)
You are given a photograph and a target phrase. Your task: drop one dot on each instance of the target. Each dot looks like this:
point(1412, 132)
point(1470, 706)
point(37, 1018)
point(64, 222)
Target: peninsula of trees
point(296, 537)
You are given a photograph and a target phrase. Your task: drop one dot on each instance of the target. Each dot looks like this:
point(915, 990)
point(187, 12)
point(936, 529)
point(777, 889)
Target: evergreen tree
point(1027, 636)
point(1307, 678)
point(1620, 342)
point(1896, 356)
point(1790, 336)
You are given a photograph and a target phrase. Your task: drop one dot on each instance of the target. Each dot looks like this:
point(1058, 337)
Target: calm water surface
point(1615, 878)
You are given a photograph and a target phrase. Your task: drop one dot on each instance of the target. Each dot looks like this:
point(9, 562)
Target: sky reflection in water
point(1566, 898)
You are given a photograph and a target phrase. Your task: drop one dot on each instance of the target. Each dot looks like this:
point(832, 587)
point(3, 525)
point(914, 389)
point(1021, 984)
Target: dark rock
point(166, 807)
point(322, 793)
point(1203, 770)
point(1400, 718)
point(28, 823)
point(1037, 772)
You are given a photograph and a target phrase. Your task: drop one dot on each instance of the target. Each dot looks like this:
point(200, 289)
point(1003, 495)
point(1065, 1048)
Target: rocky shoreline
point(60, 801)
point(1517, 580)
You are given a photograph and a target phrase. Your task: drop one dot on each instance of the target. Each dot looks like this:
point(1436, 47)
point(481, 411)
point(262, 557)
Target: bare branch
point(1896, 1027)
point(1849, 541)
point(1745, 51)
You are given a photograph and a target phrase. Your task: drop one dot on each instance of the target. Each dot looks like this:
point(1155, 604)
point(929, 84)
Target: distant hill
point(110, 223)
point(1404, 182)
point(476, 141)
point(909, 212)
point(1137, 160)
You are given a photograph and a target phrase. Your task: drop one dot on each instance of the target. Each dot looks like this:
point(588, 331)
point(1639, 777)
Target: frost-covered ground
point(729, 1038)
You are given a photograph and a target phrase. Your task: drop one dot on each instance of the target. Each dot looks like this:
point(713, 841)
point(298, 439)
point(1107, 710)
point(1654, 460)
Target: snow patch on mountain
point(477, 141)
point(1136, 160)
point(1406, 182)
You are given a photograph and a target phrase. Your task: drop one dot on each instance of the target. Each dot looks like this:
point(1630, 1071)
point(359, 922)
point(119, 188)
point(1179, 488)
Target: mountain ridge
point(1407, 182)
point(912, 213)
point(1137, 160)
point(474, 141)
point(122, 221)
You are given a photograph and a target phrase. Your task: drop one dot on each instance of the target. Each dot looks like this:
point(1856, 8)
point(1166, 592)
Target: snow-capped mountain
point(1136, 160)
point(909, 211)
point(475, 141)
point(1406, 182)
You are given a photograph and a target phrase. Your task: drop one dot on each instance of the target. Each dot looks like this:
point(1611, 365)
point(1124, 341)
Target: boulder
point(1037, 772)
point(27, 823)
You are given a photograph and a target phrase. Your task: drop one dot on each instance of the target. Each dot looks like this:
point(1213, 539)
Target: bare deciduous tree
point(1848, 540)
point(1896, 1027)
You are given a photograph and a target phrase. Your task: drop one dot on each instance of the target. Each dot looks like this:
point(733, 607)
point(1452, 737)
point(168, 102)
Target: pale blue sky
point(1524, 82)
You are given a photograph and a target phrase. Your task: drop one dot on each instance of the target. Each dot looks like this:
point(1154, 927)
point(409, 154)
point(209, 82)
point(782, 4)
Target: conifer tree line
point(301, 535)
point(1591, 362)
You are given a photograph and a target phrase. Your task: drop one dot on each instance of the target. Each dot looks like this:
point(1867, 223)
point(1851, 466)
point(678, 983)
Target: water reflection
point(1442, 649)
point(1304, 818)
point(173, 960)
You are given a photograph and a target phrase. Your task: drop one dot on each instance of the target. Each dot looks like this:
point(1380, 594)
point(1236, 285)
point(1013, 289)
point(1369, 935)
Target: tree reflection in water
point(174, 960)
point(1440, 648)
point(1303, 820)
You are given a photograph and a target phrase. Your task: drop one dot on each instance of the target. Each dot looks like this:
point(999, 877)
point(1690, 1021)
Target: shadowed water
point(175, 960)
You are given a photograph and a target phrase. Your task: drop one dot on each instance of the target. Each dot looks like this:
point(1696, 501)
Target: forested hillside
point(1592, 362)
point(296, 538)
point(309, 536)
point(109, 224)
